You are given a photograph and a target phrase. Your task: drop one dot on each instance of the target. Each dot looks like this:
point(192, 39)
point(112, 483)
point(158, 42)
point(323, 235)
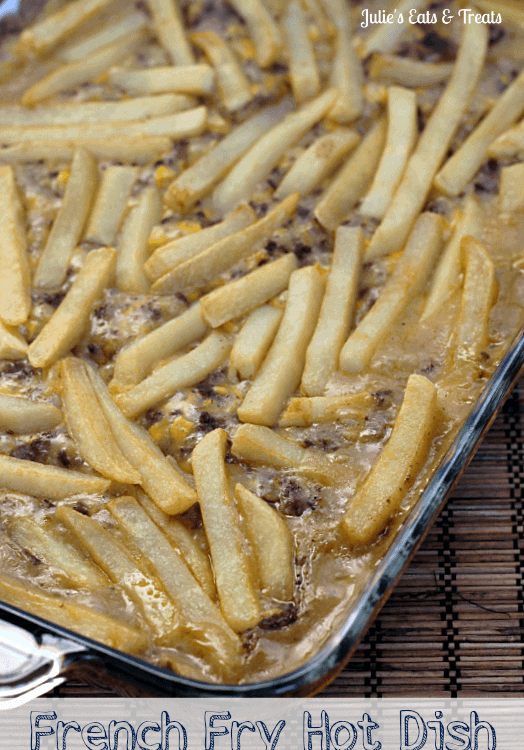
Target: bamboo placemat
point(455, 623)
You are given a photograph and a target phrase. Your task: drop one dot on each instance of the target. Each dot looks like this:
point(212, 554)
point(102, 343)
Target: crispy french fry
point(400, 139)
point(69, 223)
point(138, 359)
point(110, 204)
point(303, 71)
point(114, 32)
point(511, 192)
point(282, 369)
point(352, 180)
point(137, 150)
point(110, 554)
point(133, 248)
point(273, 544)
point(24, 416)
point(74, 74)
point(432, 145)
point(317, 161)
point(233, 86)
point(89, 427)
point(397, 468)
point(384, 38)
point(336, 311)
point(67, 324)
point(262, 445)
point(182, 372)
point(201, 176)
point(262, 157)
point(181, 79)
point(46, 545)
point(404, 71)
point(447, 277)
point(170, 255)
point(40, 480)
point(170, 30)
point(253, 341)
point(76, 617)
point(346, 73)
point(196, 272)
point(12, 345)
point(15, 297)
point(407, 280)
point(263, 30)
point(467, 160)
point(238, 599)
point(239, 297)
point(303, 412)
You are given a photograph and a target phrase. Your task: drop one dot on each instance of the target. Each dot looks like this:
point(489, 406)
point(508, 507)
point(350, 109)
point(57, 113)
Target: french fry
point(198, 180)
point(44, 543)
point(352, 180)
point(39, 480)
point(432, 145)
point(196, 559)
point(196, 272)
point(508, 145)
point(404, 71)
point(384, 38)
point(133, 248)
point(180, 79)
point(110, 554)
point(66, 326)
point(318, 13)
point(336, 311)
point(238, 599)
point(191, 601)
point(263, 30)
point(253, 341)
point(138, 359)
point(467, 160)
point(138, 150)
point(262, 157)
point(12, 345)
point(110, 204)
point(447, 278)
point(185, 371)
point(24, 416)
point(407, 280)
point(346, 72)
point(303, 71)
point(303, 412)
point(233, 86)
point(74, 74)
point(15, 296)
point(317, 162)
point(262, 445)
point(170, 30)
point(160, 478)
point(89, 427)
point(170, 255)
point(395, 471)
point(400, 139)
point(511, 192)
point(69, 223)
point(76, 617)
point(114, 32)
point(273, 544)
point(282, 368)
point(239, 297)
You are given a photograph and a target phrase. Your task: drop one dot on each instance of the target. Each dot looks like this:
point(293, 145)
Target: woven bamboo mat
point(455, 623)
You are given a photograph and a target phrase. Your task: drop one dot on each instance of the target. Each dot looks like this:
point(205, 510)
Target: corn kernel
point(188, 227)
point(158, 431)
point(157, 238)
point(164, 175)
point(63, 176)
point(180, 429)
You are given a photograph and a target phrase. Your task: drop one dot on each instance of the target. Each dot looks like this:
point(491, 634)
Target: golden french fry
point(256, 164)
point(282, 369)
point(196, 272)
point(346, 72)
point(336, 312)
point(395, 471)
point(238, 599)
point(239, 297)
point(432, 145)
point(303, 412)
point(111, 555)
point(404, 71)
point(133, 248)
point(233, 86)
point(39, 480)
point(407, 280)
point(262, 445)
point(253, 341)
point(262, 29)
point(66, 326)
point(110, 204)
point(89, 427)
point(303, 71)
point(131, 150)
point(170, 30)
point(24, 416)
point(181, 79)
point(12, 345)
point(511, 192)
point(69, 223)
point(182, 372)
point(114, 32)
point(15, 296)
point(273, 544)
point(384, 38)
